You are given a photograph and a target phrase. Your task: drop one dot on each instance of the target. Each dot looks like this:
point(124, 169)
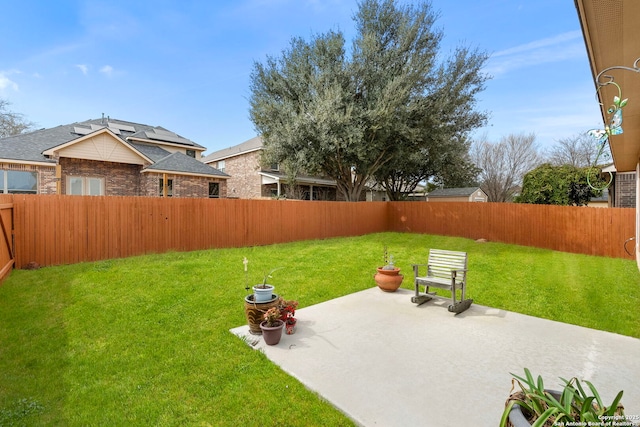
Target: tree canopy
point(504, 164)
point(559, 185)
point(12, 123)
point(388, 110)
point(579, 150)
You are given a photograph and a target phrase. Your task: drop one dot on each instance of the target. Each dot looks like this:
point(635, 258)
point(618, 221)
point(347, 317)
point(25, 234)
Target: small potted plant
point(288, 312)
point(272, 326)
point(254, 310)
point(388, 277)
point(263, 292)
point(533, 405)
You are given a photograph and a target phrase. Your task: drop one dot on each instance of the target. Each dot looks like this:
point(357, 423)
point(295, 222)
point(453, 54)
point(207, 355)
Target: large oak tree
point(388, 109)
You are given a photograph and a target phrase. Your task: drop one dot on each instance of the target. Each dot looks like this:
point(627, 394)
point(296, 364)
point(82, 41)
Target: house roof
point(180, 163)
point(31, 146)
point(253, 144)
point(300, 179)
point(453, 192)
point(149, 141)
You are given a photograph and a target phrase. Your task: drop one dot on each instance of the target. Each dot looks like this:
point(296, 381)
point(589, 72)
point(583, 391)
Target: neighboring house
point(466, 194)
point(250, 179)
point(107, 157)
point(622, 190)
point(600, 202)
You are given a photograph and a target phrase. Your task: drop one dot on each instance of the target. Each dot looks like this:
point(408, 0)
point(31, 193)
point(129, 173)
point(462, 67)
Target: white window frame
point(5, 182)
point(85, 185)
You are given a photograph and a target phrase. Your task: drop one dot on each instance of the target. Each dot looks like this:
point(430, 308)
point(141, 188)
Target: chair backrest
point(441, 263)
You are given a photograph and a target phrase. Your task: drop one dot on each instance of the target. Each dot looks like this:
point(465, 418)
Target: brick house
point(622, 190)
point(251, 179)
point(107, 157)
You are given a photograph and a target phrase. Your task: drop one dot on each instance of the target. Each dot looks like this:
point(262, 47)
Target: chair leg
point(420, 299)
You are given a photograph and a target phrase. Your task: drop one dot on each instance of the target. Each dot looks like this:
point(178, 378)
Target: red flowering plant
point(288, 311)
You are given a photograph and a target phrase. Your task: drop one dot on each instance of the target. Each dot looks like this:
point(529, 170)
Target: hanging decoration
point(613, 125)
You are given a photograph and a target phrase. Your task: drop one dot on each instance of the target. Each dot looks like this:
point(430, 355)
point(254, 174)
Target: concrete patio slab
point(384, 361)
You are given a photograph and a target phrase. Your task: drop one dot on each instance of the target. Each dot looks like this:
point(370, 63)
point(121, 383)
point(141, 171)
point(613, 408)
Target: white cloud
point(84, 68)
point(6, 82)
point(552, 49)
point(107, 70)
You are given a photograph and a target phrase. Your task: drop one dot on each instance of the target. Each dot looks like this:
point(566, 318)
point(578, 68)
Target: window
point(221, 165)
point(191, 153)
point(214, 190)
point(275, 167)
point(85, 186)
point(169, 188)
point(19, 182)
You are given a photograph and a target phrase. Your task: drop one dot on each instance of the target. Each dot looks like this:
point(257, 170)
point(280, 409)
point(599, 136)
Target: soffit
point(612, 36)
point(611, 30)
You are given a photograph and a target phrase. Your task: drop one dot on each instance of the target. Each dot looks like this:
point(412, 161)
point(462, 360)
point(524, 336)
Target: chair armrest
point(454, 272)
point(416, 268)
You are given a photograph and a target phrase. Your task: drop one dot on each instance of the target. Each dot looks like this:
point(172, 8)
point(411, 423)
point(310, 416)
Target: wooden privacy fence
point(51, 229)
point(591, 231)
point(6, 239)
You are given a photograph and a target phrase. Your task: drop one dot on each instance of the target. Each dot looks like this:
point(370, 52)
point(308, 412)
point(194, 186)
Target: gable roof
point(253, 144)
point(149, 142)
point(182, 164)
point(454, 192)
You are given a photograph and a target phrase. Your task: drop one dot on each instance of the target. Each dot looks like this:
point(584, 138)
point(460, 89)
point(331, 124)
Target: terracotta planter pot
point(388, 280)
point(255, 310)
point(272, 334)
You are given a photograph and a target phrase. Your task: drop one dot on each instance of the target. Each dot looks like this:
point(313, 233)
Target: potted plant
point(264, 292)
point(272, 326)
point(254, 310)
point(388, 277)
point(288, 311)
point(533, 405)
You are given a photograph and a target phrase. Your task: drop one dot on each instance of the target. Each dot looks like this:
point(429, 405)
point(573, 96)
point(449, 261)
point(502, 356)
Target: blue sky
point(185, 65)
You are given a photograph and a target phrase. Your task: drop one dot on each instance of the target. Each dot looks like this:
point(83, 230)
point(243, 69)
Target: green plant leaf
point(595, 393)
point(614, 405)
point(587, 407)
point(544, 417)
point(540, 383)
point(583, 394)
point(505, 414)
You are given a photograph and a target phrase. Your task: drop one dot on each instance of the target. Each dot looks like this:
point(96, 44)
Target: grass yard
point(146, 341)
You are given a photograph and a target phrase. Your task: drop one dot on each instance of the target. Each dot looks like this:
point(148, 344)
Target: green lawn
point(146, 341)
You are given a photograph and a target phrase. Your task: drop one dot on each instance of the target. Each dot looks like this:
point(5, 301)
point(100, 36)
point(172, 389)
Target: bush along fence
point(52, 230)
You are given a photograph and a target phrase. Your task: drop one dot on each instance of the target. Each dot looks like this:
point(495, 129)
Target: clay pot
point(272, 334)
point(255, 310)
point(388, 280)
